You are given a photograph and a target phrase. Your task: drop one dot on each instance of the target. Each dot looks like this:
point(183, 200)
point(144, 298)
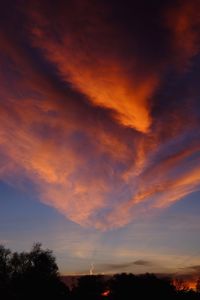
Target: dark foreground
point(34, 275)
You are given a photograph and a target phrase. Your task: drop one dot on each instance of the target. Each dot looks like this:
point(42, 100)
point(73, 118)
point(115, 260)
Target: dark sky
point(100, 128)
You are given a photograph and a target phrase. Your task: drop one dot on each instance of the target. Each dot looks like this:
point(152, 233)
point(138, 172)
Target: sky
point(100, 133)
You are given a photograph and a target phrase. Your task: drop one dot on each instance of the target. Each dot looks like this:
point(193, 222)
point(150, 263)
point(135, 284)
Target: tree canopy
point(35, 275)
point(30, 275)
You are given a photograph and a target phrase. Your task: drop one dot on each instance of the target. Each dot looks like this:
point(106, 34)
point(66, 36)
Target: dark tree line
point(30, 275)
point(130, 287)
point(34, 275)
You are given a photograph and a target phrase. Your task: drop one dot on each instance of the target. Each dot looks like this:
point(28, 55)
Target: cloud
point(183, 20)
point(141, 262)
point(195, 268)
point(99, 106)
point(98, 71)
point(120, 267)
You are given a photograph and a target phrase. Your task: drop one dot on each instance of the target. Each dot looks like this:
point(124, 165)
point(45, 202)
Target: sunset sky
point(100, 133)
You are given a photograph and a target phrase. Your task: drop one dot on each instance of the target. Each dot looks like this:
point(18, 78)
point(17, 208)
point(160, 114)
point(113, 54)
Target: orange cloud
point(98, 72)
point(88, 119)
point(156, 192)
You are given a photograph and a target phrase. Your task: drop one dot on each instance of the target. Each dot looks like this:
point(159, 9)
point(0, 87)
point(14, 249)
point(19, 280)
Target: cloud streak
point(123, 266)
point(99, 106)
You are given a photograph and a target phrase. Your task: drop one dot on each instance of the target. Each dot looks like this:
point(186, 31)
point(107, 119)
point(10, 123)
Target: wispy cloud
point(99, 106)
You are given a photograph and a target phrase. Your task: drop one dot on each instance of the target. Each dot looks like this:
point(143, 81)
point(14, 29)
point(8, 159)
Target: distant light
point(106, 293)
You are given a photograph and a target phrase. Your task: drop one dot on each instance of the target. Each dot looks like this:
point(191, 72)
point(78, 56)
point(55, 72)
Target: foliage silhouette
point(32, 275)
point(128, 286)
point(89, 287)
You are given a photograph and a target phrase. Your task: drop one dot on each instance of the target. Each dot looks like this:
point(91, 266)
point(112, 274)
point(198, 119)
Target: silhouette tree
point(89, 287)
point(40, 274)
point(32, 275)
point(5, 268)
point(148, 286)
point(123, 286)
